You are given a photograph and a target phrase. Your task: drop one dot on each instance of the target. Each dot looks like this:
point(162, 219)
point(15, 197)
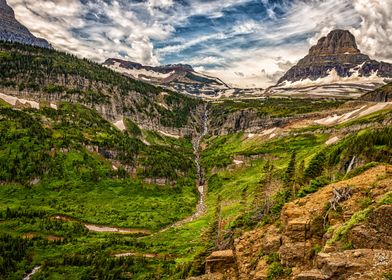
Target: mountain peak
point(336, 42)
point(335, 54)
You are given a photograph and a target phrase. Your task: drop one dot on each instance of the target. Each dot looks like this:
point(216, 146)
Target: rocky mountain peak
point(14, 31)
point(336, 54)
point(336, 42)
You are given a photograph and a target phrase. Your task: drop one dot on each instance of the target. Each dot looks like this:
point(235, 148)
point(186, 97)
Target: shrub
point(276, 270)
point(313, 186)
point(316, 166)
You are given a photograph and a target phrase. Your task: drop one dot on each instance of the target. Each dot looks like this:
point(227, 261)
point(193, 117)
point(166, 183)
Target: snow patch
point(163, 106)
point(12, 100)
point(96, 228)
point(332, 140)
point(145, 142)
point(334, 78)
point(237, 162)
point(375, 108)
point(269, 131)
point(363, 111)
point(169, 134)
point(120, 125)
point(272, 135)
point(140, 73)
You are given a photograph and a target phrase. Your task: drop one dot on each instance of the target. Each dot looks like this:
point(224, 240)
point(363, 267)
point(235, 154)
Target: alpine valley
point(119, 170)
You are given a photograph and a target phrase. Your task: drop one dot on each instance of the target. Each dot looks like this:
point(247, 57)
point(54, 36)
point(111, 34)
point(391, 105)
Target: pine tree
point(290, 173)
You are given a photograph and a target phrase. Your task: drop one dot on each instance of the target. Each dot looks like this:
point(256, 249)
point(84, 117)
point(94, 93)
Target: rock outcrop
point(14, 31)
point(383, 94)
point(339, 52)
point(375, 233)
point(301, 243)
point(219, 261)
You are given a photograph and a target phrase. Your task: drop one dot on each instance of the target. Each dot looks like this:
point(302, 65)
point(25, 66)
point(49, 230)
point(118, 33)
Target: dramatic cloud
point(248, 43)
point(375, 33)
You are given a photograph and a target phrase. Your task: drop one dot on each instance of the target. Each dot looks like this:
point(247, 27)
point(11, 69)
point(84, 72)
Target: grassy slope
point(71, 180)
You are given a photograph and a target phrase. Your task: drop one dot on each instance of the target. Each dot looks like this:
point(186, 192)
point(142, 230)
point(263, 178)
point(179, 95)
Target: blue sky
point(247, 43)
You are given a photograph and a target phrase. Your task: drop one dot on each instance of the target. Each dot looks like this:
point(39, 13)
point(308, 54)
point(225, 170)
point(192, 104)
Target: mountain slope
point(382, 94)
point(12, 30)
point(44, 75)
point(179, 77)
point(335, 66)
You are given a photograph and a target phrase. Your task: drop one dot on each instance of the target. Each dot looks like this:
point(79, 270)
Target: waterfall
point(350, 166)
point(34, 271)
point(199, 169)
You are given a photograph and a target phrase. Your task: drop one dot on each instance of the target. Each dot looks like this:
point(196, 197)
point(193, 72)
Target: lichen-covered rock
point(313, 274)
point(375, 233)
point(355, 264)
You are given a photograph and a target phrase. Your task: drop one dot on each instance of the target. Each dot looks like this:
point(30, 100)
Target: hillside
point(382, 94)
point(46, 75)
point(107, 177)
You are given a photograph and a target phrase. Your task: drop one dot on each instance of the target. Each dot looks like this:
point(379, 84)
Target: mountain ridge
point(178, 77)
point(12, 30)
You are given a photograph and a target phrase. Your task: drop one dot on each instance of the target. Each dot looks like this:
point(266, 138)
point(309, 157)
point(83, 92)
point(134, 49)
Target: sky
point(246, 43)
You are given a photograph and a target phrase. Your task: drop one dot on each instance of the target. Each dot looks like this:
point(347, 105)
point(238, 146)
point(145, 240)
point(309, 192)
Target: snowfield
point(12, 100)
point(363, 111)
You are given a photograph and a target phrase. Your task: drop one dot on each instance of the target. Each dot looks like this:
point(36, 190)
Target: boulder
point(219, 261)
point(375, 233)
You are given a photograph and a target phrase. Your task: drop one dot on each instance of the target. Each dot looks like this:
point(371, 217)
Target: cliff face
point(337, 51)
point(383, 94)
point(12, 30)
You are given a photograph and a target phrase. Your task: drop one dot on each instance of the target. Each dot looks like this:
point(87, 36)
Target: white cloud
point(58, 20)
point(199, 61)
point(133, 29)
point(247, 27)
point(160, 3)
point(256, 67)
point(375, 33)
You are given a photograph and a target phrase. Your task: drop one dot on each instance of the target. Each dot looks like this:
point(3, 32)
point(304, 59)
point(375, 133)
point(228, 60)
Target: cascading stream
point(200, 173)
point(199, 169)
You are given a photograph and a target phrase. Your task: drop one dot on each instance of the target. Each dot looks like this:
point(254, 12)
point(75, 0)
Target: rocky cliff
point(337, 51)
point(330, 234)
point(383, 94)
point(12, 30)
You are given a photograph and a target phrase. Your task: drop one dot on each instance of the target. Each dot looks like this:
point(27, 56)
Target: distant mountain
point(335, 65)
point(179, 77)
point(12, 30)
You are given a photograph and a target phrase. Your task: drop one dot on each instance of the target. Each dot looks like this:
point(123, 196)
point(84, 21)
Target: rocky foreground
point(340, 232)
